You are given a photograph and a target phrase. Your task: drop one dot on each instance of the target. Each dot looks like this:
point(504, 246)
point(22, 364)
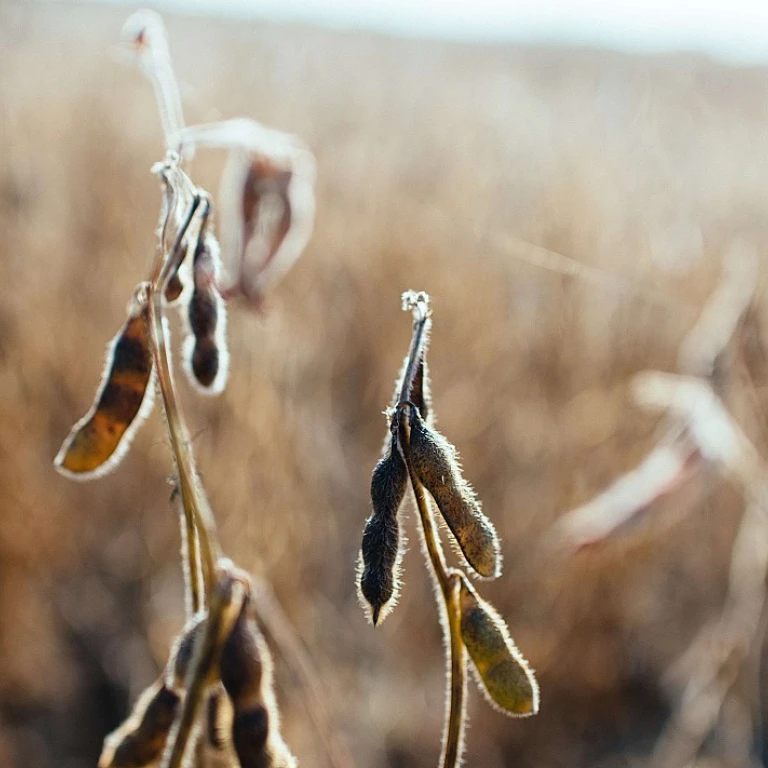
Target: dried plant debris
point(669, 466)
point(502, 673)
point(435, 462)
point(101, 438)
point(382, 548)
point(267, 205)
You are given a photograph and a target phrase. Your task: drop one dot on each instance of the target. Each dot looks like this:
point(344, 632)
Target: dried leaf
point(664, 470)
point(267, 203)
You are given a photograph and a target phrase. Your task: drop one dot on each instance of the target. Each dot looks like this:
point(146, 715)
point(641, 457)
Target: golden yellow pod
point(502, 672)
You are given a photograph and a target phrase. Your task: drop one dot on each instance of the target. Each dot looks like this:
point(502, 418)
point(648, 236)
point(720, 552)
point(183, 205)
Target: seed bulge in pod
point(381, 552)
point(205, 360)
point(434, 461)
point(246, 674)
point(141, 739)
point(502, 672)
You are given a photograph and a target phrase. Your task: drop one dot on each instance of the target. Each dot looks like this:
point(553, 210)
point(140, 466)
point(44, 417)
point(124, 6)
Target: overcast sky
point(733, 29)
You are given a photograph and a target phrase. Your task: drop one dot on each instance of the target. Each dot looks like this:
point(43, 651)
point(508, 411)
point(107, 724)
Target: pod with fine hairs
point(434, 462)
point(246, 674)
point(97, 443)
point(140, 740)
point(381, 551)
point(502, 672)
point(205, 350)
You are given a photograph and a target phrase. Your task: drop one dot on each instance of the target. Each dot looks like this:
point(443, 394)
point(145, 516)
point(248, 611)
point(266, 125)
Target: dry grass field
point(442, 167)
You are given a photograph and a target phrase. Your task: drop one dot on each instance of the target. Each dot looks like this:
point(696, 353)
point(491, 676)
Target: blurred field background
point(443, 167)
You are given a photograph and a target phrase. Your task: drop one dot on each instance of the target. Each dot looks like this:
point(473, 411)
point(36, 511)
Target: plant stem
point(224, 604)
point(449, 589)
point(418, 303)
point(190, 554)
point(197, 512)
point(454, 737)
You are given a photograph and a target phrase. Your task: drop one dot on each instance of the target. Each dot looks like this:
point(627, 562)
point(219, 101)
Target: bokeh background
point(452, 168)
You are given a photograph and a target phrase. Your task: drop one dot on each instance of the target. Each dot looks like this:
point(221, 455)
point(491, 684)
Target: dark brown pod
point(435, 463)
point(381, 549)
point(246, 674)
point(205, 361)
point(205, 350)
point(141, 739)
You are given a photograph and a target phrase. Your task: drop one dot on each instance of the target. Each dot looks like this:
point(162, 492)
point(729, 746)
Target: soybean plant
point(416, 454)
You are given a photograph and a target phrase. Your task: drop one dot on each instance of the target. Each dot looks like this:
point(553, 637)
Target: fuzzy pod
point(141, 739)
point(205, 350)
point(379, 555)
point(502, 672)
point(184, 647)
point(435, 463)
point(97, 443)
point(381, 549)
point(246, 674)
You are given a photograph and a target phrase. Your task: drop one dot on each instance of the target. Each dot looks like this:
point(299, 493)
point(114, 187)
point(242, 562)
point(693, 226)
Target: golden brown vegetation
point(456, 168)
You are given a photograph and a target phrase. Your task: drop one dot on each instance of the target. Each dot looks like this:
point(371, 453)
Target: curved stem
point(453, 740)
point(418, 303)
point(454, 735)
point(224, 602)
point(190, 554)
point(197, 511)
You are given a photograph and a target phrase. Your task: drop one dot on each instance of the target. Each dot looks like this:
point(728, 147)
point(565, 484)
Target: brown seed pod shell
point(246, 674)
point(435, 463)
point(502, 672)
point(181, 653)
point(97, 443)
point(140, 740)
point(382, 550)
point(205, 349)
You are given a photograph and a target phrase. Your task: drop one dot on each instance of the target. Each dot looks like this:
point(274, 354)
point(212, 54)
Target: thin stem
point(193, 498)
point(148, 31)
point(224, 603)
point(454, 736)
point(449, 589)
point(418, 303)
point(190, 553)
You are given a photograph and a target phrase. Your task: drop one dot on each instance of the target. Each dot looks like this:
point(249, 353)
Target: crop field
point(569, 211)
